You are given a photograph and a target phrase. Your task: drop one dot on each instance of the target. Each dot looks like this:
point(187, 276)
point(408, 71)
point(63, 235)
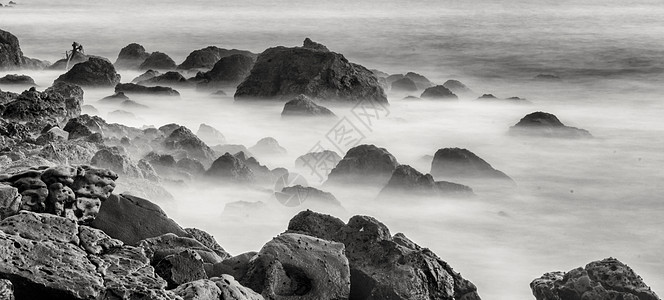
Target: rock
point(300, 266)
point(158, 248)
point(438, 92)
point(261, 173)
point(179, 268)
point(385, 266)
point(116, 98)
point(131, 104)
point(168, 128)
point(66, 63)
point(54, 134)
point(230, 168)
point(132, 88)
point(605, 279)
point(54, 106)
point(364, 164)
point(313, 160)
point(170, 78)
point(122, 115)
point(492, 98)
point(11, 56)
point(94, 183)
point(207, 57)
point(230, 148)
point(267, 146)
point(457, 87)
point(6, 286)
point(407, 181)
point(461, 163)
point(10, 201)
point(546, 125)
point(309, 44)
point(224, 287)
point(157, 61)
point(297, 195)
point(61, 201)
point(303, 106)
point(210, 135)
point(219, 94)
point(97, 242)
point(208, 241)
point(487, 97)
point(191, 166)
point(33, 193)
point(140, 219)
point(403, 85)
point(38, 227)
point(392, 78)
point(185, 140)
point(283, 73)
point(236, 266)
point(76, 130)
point(131, 57)
point(547, 77)
point(17, 79)
point(227, 72)
point(95, 72)
point(420, 81)
point(117, 161)
point(149, 74)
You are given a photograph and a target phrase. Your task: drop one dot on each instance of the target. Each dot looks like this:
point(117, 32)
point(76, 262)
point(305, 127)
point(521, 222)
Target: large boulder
point(229, 71)
point(300, 266)
point(364, 164)
point(438, 92)
point(158, 61)
point(95, 72)
point(461, 163)
point(546, 125)
point(207, 57)
point(131, 219)
point(131, 57)
point(407, 181)
point(283, 73)
point(303, 106)
point(11, 56)
point(383, 266)
point(605, 279)
point(132, 88)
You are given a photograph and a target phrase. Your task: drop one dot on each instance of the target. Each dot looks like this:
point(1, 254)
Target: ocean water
point(576, 200)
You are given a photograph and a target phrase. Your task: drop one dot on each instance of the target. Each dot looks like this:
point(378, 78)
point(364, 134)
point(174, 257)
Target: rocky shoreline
point(65, 234)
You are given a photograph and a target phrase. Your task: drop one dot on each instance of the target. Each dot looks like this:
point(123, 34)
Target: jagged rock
point(283, 73)
point(207, 240)
point(230, 168)
point(210, 135)
point(385, 266)
point(364, 164)
point(97, 242)
point(170, 78)
point(76, 129)
point(10, 201)
point(182, 267)
point(54, 106)
point(420, 81)
point(403, 85)
point(95, 72)
point(309, 44)
point(11, 56)
point(207, 57)
point(149, 74)
point(303, 106)
point(158, 61)
point(132, 88)
point(300, 266)
point(461, 163)
point(227, 72)
point(605, 279)
point(261, 173)
point(438, 92)
point(17, 79)
point(70, 152)
point(267, 146)
point(6, 287)
point(168, 128)
point(231, 148)
point(224, 287)
point(407, 180)
point(159, 247)
point(147, 170)
point(61, 200)
point(131, 57)
point(185, 140)
point(112, 158)
point(140, 219)
point(457, 87)
point(546, 125)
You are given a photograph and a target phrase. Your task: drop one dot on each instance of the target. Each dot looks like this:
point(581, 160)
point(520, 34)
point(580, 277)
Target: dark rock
point(411, 98)
point(132, 88)
point(407, 181)
point(309, 44)
point(33, 193)
point(492, 98)
point(17, 79)
point(546, 125)
point(364, 164)
point(169, 128)
point(404, 85)
point(76, 129)
point(207, 57)
point(262, 174)
point(461, 163)
point(487, 97)
point(131, 57)
point(139, 219)
point(384, 266)
point(267, 146)
point(283, 73)
point(55, 106)
point(116, 98)
point(158, 61)
point(457, 87)
point(11, 56)
point(180, 268)
point(230, 168)
point(160, 160)
point(420, 81)
point(303, 106)
point(95, 72)
point(438, 92)
point(210, 135)
point(300, 266)
point(227, 72)
point(160, 247)
point(185, 140)
point(170, 78)
point(605, 279)
point(224, 287)
point(10, 201)
point(149, 74)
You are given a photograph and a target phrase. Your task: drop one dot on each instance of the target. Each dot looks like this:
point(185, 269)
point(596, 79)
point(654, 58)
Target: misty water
point(576, 200)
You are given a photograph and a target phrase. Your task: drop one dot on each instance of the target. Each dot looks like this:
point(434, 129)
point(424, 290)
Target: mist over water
point(575, 201)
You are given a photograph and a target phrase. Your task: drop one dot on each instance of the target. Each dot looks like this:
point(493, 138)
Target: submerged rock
point(303, 106)
point(95, 72)
point(170, 78)
point(461, 163)
point(605, 279)
point(207, 57)
point(131, 57)
point(17, 79)
point(492, 98)
point(132, 88)
point(283, 73)
point(364, 164)
point(438, 92)
point(158, 61)
point(546, 125)
point(407, 180)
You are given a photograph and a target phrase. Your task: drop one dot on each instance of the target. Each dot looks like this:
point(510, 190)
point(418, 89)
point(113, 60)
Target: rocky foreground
point(67, 234)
